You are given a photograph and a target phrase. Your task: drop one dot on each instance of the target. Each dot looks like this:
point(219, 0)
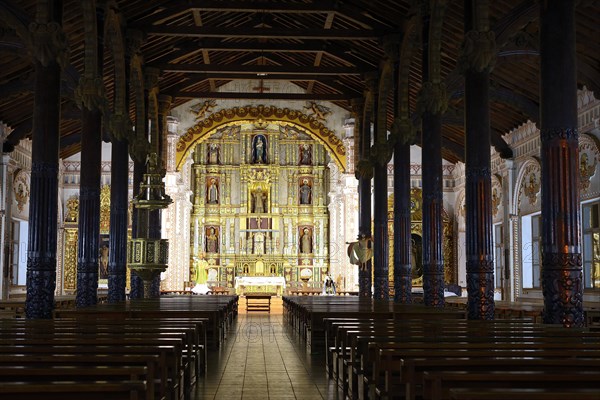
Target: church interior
point(285, 199)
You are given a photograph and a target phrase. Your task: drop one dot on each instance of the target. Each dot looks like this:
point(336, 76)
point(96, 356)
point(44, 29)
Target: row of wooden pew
point(142, 349)
point(420, 352)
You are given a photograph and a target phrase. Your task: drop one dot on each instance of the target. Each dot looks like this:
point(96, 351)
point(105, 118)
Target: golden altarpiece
point(259, 205)
point(70, 240)
point(416, 233)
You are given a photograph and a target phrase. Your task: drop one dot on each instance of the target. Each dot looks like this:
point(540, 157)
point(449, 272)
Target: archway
point(239, 115)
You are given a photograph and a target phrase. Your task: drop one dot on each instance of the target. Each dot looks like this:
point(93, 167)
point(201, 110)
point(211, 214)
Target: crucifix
point(261, 88)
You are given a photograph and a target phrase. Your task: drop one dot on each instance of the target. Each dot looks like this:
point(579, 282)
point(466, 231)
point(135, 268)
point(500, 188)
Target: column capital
point(432, 98)
point(403, 130)
point(164, 104)
point(478, 52)
point(90, 93)
point(134, 39)
point(48, 43)
point(139, 149)
point(120, 126)
point(151, 75)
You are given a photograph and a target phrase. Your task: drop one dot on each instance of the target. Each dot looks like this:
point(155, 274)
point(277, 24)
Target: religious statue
point(328, 286)
point(212, 241)
point(361, 251)
point(259, 243)
point(213, 192)
point(259, 202)
point(259, 151)
point(103, 261)
point(305, 154)
point(213, 153)
point(200, 271)
point(306, 241)
point(305, 192)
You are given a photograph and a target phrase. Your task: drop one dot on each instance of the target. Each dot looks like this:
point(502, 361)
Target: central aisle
point(264, 359)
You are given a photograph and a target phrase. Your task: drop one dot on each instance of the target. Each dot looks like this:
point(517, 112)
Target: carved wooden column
point(432, 104)
point(137, 147)
point(382, 151)
point(49, 47)
point(364, 172)
point(156, 132)
point(138, 226)
point(121, 130)
point(562, 282)
point(402, 207)
point(477, 60)
point(90, 98)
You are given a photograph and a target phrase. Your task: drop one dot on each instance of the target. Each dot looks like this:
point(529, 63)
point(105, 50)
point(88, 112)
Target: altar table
point(259, 284)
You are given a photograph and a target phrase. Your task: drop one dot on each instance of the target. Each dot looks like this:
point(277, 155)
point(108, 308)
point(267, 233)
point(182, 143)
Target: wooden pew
point(437, 384)
point(56, 390)
point(524, 394)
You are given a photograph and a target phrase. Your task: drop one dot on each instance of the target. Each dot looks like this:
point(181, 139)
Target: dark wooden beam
point(263, 96)
point(265, 33)
point(300, 72)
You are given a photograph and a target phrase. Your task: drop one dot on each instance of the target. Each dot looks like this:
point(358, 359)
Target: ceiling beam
point(301, 72)
point(263, 96)
point(264, 33)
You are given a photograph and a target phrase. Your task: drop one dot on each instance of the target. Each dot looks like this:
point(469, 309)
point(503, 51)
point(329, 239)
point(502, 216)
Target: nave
point(263, 358)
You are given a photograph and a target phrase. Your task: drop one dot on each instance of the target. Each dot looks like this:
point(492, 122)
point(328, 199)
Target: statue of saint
point(104, 262)
point(213, 153)
point(259, 243)
point(213, 192)
point(328, 286)
point(306, 241)
point(259, 201)
point(305, 154)
point(259, 154)
point(305, 192)
point(212, 241)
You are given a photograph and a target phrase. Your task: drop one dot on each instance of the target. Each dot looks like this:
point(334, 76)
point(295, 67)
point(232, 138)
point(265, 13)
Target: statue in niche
point(305, 154)
point(306, 241)
point(259, 243)
point(213, 153)
point(259, 198)
point(212, 241)
point(104, 261)
point(213, 192)
point(259, 150)
point(305, 192)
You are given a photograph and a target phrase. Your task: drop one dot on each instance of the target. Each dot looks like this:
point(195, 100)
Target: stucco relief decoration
point(21, 189)
point(317, 111)
point(496, 196)
point(588, 161)
point(532, 183)
point(202, 109)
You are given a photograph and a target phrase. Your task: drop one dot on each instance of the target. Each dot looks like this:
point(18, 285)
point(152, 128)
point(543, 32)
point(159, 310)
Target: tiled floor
point(264, 359)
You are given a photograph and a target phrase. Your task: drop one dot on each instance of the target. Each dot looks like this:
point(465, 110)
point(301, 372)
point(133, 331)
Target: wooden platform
point(258, 302)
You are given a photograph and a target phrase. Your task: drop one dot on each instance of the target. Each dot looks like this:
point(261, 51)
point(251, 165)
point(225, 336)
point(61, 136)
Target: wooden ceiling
point(323, 46)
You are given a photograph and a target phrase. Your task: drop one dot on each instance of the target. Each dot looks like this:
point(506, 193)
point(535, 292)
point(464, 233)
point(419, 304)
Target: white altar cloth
point(260, 282)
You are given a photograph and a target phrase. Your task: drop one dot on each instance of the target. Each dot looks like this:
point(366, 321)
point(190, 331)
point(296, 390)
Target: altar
point(263, 284)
